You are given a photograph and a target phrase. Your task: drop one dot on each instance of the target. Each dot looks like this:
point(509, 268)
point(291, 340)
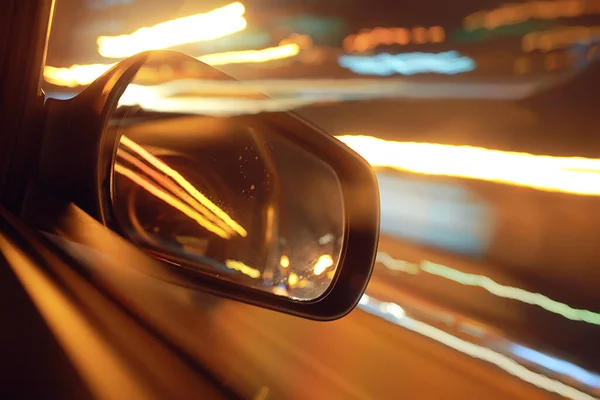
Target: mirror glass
point(204, 182)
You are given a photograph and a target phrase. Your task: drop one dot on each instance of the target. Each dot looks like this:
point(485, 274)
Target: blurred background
point(480, 118)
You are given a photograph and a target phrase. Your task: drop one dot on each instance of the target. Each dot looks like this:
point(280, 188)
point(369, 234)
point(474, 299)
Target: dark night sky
point(370, 13)
point(358, 13)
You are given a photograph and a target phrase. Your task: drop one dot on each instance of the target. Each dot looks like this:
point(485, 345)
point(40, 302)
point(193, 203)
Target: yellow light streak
point(177, 177)
point(194, 28)
point(513, 13)
point(560, 37)
point(251, 56)
point(173, 188)
point(211, 106)
point(243, 268)
point(100, 366)
point(80, 75)
point(75, 75)
point(324, 262)
point(171, 200)
point(574, 175)
point(373, 38)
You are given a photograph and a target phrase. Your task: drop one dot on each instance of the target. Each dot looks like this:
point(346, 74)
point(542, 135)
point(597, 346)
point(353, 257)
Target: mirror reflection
point(228, 195)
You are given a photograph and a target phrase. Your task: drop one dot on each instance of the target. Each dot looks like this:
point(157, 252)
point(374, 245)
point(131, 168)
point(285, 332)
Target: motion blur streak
point(324, 262)
point(80, 75)
point(555, 364)
point(172, 201)
point(514, 13)
point(371, 39)
point(397, 265)
point(99, 365)
point(507, 292)
point(169, 185)
point(243, 268)
point(194, 28)
point(573, 175)
point(384, 64)
point(75, 75)
point(559, 37)
point(177, 177)
point(512, 293)
point(251, 56)
point(391, 312)
point(148, 99)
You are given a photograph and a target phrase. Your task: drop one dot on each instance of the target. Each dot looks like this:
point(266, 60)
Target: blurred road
point(365, 356)
point(485, 300)
point(266, 355)
point(360, 356)
point(429, 351)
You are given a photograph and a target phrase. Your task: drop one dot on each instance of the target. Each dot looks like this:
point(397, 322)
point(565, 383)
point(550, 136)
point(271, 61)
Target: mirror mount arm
point(75, 157)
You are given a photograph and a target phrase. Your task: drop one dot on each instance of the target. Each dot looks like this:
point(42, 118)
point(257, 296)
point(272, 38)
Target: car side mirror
point(191, 167)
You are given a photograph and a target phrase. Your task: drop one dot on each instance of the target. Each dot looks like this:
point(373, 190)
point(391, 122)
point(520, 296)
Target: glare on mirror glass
point(230, 196)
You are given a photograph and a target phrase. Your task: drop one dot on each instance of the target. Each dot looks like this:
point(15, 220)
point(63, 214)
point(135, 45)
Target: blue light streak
point(385, 64)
